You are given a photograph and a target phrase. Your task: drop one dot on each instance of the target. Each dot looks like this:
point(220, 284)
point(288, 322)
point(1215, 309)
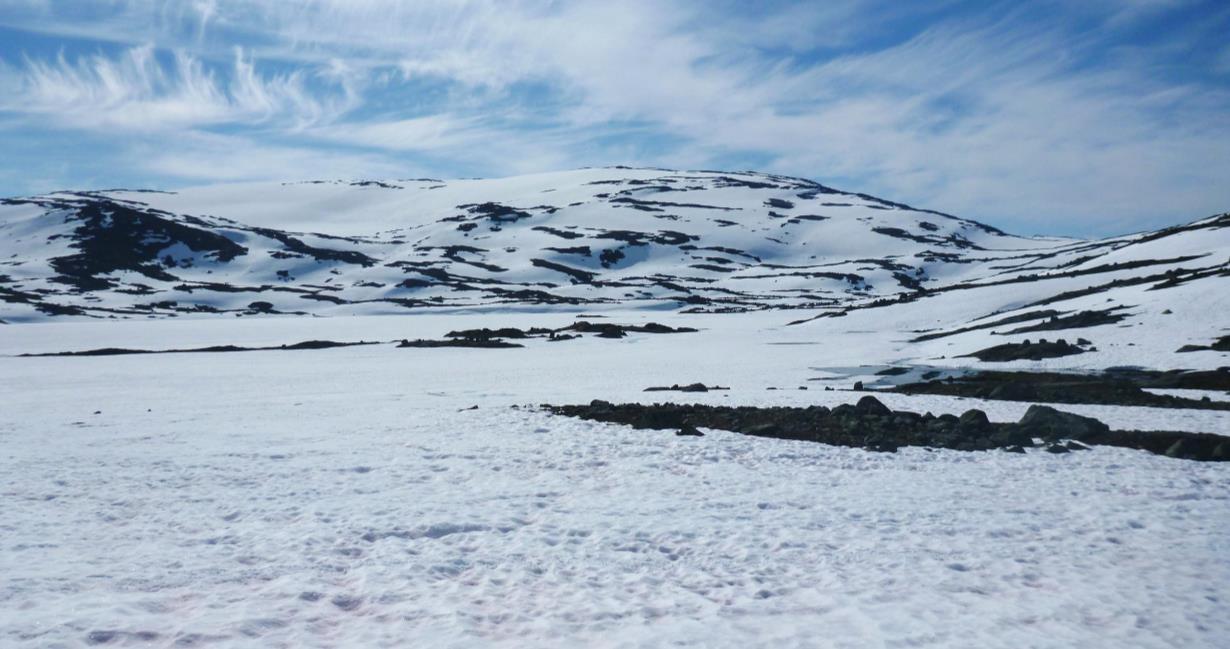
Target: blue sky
point(1077, 117)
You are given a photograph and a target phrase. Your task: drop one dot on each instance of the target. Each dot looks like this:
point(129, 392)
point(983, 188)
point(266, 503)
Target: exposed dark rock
point(503, 332)
point(563, 234)
point(610, 257)
point(577, 275)
point(296, 245)
point(120, 351)
point(1119, 387)
point(460, 342)
point(1074, 321)
point(112, 237)
point(974, 419)
point(688, 430)
point(663, 237)
point(611, 330)
point(691, 387)
point(495, 212)
point(1049, 423)
point(763, 430)
point(655, 206)
point(584, 251)
point(1026, 350)
point(955, 240)
point(870, 405)
point(1220, 345)
point(799, 218)
point(533, 296)
point(871, 425)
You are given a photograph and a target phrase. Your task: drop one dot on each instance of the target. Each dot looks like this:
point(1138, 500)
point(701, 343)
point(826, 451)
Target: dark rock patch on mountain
point(112, 237)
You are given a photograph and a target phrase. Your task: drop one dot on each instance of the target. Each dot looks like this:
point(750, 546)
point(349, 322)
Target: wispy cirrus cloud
point(138, 90)
point(1043, 116)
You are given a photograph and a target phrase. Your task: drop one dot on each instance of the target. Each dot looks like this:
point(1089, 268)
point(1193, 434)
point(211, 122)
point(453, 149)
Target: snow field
point(347, 498)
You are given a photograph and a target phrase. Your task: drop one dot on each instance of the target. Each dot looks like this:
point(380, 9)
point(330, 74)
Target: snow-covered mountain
point(176, 475)
point(586, 239)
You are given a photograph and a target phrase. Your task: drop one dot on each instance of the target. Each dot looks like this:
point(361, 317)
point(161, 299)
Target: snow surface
point(348, 497)
point(356, 497)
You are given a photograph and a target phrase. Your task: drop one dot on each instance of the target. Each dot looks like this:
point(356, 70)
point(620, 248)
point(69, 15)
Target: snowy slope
point(632, 237)
point(612, 239)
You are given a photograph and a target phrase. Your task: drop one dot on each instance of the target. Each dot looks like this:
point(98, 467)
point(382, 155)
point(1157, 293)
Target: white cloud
point(991, 115)
point(137, 91)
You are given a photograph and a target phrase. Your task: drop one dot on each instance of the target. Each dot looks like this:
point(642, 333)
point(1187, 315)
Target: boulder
point(1221, 453)
point(974, 419)
point(1047, 422)
point(688, 430)
point(845, 410)
point(1178, 449)
point(870, 405)
point(1010, 436)
point(763, 430)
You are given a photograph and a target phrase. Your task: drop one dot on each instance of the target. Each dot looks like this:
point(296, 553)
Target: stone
point(975, 419)
point(1178, 449)
point(763, 430)
point(1047, 422)
point(870, 405)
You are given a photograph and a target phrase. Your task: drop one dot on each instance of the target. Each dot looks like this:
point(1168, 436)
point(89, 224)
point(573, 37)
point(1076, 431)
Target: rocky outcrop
point(871, 425)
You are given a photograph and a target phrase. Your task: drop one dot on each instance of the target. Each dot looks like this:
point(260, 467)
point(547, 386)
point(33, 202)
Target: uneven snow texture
point(347, 497)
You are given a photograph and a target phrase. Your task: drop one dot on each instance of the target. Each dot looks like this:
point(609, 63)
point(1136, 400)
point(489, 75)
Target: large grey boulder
point(1049, 423)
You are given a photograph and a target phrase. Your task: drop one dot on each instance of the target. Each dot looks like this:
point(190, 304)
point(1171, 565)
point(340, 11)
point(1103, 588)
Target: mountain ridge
point(613, 237)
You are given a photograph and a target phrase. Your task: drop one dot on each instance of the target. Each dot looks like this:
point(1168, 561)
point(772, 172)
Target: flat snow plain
point(348, 497)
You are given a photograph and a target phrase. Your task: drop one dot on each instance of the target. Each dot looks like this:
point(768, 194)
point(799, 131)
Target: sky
point(1078, 117)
